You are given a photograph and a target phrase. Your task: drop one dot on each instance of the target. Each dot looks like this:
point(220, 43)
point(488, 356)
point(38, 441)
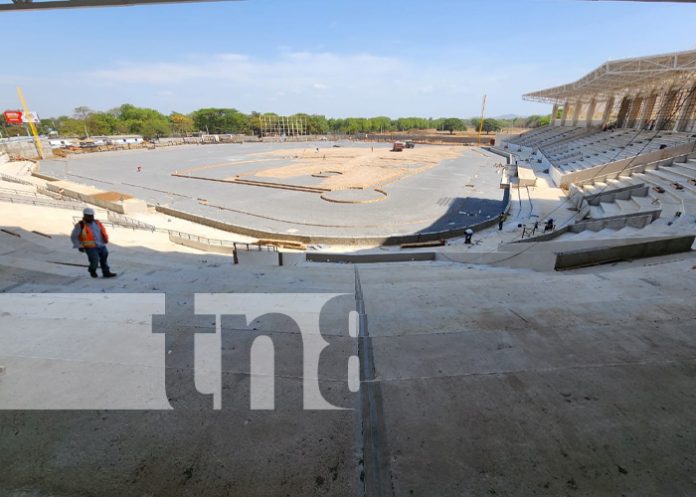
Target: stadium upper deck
point(624, 115)
point(656, 91)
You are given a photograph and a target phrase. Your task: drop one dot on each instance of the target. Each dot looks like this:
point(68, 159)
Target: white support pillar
point(634, 112)
point(627, 116)
point(608, 106)
point(590, 112)
point(648, 106)
point(577, 109)
point(665, 102)
point(686, 110)
point(564, 115)
point(554, 111)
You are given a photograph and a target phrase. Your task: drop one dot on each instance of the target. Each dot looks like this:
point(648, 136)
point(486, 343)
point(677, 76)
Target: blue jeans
point(97, 257)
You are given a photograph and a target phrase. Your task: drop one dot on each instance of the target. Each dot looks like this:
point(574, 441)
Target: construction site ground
point(429, 188)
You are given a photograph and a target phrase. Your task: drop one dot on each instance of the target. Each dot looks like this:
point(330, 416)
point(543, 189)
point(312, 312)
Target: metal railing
point(120, 221)
point(251, 246)
point(14, 179)
point(129, 222)
point(35, 200)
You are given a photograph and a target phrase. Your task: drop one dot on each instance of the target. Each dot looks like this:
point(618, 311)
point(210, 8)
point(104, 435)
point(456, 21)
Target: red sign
point(13, 116)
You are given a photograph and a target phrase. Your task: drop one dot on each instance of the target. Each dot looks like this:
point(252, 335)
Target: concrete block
point(134, 206)
point(601, 255)
point(257, 258)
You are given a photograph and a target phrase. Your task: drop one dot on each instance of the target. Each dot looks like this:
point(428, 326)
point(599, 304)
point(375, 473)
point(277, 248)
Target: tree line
point(150, 123)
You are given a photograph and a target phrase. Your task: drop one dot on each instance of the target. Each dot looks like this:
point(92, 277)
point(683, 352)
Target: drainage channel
point(376, 473)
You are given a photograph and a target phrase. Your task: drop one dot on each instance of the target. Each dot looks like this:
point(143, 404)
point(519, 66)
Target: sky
point(339, 58)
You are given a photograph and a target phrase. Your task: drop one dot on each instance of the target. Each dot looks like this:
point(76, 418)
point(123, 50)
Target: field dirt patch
point(112, 196)
point(355, 167)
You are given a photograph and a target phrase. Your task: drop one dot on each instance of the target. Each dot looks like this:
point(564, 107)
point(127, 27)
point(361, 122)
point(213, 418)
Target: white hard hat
point(88, 211)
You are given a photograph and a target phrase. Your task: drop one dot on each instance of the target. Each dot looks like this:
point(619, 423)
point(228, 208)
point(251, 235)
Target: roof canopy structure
point(67, 4)
point(623, 76)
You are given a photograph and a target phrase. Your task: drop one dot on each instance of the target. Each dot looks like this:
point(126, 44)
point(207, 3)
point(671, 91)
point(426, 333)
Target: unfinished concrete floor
point(456, 186)
point(487, 381)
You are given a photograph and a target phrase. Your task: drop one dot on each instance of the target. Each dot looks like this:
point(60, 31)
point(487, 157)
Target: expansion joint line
point(376, 473)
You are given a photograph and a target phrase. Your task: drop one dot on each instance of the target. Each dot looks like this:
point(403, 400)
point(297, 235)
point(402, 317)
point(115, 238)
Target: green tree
point(535, 121)
point(382, 123)
point(453, 124)
point(181, 124)
point(69, 126)
point(100, 123)
point(489, 124)
point(81, 113)
point(216, 121)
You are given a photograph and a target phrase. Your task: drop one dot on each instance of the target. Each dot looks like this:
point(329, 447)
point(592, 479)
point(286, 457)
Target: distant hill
point(509, 116)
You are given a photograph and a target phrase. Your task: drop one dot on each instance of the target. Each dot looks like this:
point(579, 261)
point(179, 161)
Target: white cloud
point(357, 84)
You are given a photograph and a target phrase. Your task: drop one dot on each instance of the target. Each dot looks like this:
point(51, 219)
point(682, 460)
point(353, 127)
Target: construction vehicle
point(398, 147)
point(409, 144)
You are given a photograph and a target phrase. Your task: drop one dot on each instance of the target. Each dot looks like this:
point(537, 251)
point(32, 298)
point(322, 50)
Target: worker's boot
point(93, 274)
point(109, 275)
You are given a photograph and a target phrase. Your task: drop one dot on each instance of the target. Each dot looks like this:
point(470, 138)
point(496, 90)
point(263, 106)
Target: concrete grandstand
point(622, 142)
point(529, 362)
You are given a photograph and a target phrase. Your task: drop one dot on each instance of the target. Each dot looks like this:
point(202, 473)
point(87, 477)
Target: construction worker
point(468, 233)
point(501, 219)
point(89, 236)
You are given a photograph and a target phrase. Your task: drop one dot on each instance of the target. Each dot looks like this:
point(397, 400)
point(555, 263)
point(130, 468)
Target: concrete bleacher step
point(606, 233)
point(620, 182)
point(646, 203)
point(655, 179)
point(678, 168)
point(24, 244)
point(595, 188)
point(670, 177)
point(627, 206)
point(610, 209)
point(35, 265)
point(596, 212)
point(687, 166)
point(672, 200)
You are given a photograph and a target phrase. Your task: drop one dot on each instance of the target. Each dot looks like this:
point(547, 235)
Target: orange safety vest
point(87, 237)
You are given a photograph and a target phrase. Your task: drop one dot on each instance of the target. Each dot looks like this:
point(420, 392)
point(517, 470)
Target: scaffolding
point(283, 126)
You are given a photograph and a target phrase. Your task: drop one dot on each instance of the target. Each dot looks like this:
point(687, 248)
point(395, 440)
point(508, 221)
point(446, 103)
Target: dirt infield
point(353, 167)
point(339, 168)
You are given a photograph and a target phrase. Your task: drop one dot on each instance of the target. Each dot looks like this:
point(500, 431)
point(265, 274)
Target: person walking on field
point(89, 236)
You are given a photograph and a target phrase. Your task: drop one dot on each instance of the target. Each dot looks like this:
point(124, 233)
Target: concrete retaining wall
point(333, 240)
point(615, 168)
point(526, 176)
point(45, 177)
point(602, 255)
point(501, 152)
point(25, 148)
point(634, 220)
point(90, 195)
point(255, 258)
point(368, 258)
point(579, 199)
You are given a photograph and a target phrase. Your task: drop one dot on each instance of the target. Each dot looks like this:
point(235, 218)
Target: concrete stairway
point(667, 178)
point(632, 206)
